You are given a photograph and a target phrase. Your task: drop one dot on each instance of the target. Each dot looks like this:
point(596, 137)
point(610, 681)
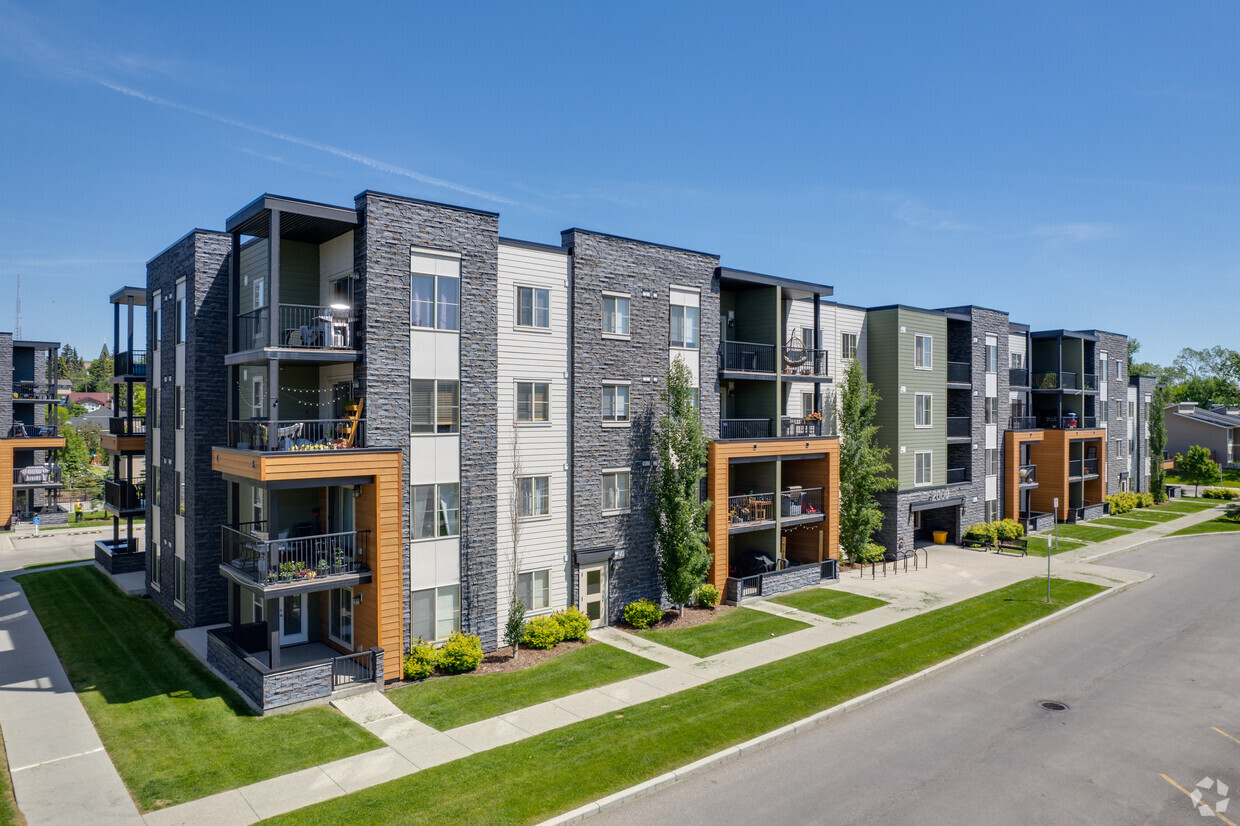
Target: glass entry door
point(293, 620)
point(592, 590)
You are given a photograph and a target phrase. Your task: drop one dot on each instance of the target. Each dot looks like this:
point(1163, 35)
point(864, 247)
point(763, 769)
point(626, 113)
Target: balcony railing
point(1057, 381)
point(1090, 467)
point(21, 430)
point(751, 508)
point(748, 357)
point(124, 496)
point(281, 561)
point(798, 502)
point(958, 427)
point(1089, 381)
point(297, 435)
point(130, 363)
point(250, 330)
point(1022, 423)
point(1018, 377)
point(1028, 474)
point(745, 429)
point(801, 361)
point(959, 372)
point(30, 390)
point(315, 328)
point(1069, 422)
point(37, 475)
point(800, 428)
point(127, 426)
point(956, 475)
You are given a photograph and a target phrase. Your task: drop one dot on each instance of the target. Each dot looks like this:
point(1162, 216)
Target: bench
point(1013, 545)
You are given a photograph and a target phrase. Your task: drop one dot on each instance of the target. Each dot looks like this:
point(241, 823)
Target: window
point(615, 402)
point(616, 315)
point(1131, 445)
point(257, 602)
point(436, 292)
point(153, 484)
point(178, 579)
point(1119, 372)
point(615, 490)
point(1103, 410)
point(434, 406)
point(921, 467)
point(534, 590)
point(923, 352)
point(179, 483)
point(534, 493)
point(181, 320)
point(436, 612)
point(1120, 444)
point(152, 407)
point(848, 345)
point(694, 398)
point(809, 337)
point(156, 332)
point(992, 410)
point(922, 404)
point(533, 307)
point(157, 564)
point(807, 403)
point(1132, 410)
point(533, 401)
point(1017, 360)
point(992, 357)
point(436, 510)
point(341, 620)
point(684, 332)
point(992, 461)
point(992, 510)
point(1102, 367)
point(179, 404)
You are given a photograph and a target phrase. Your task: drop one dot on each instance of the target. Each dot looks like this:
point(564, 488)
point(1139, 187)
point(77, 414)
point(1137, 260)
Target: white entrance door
point(293, 620)
point(592, 587)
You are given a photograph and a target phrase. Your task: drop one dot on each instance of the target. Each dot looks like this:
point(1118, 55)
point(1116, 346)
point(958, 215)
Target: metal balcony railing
point(37, 475)
point(795, 428)
point(799, 502)
point(250, 330)
point(1028, 474)
point(957, 474)
point(958, 427)
point(751, 508)
point(1018, 377)
point(1022, 423)
point(130, 363)
point(1089, 467)
point(278, 561)
point(745, 429)
point(21, 430)
point(1089, 381)
point(124, 495)
point(801, 361)
point(127, 426)
point(31, 390)
point(959, 372)
point(297, 435)
point(748, 357)
point(316, 328)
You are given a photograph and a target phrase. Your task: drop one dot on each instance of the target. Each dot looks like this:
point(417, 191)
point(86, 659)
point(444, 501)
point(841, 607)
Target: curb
point(721, 757)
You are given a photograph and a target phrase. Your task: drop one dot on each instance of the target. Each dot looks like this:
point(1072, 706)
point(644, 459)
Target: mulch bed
point(501, 659)
point(688, 618)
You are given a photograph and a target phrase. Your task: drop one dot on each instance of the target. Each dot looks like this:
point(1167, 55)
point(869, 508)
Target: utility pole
point(1048, 552)
point(18, 326)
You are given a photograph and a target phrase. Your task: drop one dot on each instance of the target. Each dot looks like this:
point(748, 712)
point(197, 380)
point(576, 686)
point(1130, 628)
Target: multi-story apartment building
point(30, 479)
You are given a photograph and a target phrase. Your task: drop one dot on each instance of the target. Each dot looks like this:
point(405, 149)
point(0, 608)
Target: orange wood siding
point(122, 444)
point(1051, 456)
point(7, 448)
point(1013, 439)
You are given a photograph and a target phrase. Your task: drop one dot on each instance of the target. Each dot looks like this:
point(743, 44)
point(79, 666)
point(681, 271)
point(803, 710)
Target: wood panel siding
point(122, 444)
point(1013, 439)
point(1051, 455)
point(7, 448)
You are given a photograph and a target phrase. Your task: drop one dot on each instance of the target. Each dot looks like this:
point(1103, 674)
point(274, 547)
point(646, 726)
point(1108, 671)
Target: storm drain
point(1053, 705)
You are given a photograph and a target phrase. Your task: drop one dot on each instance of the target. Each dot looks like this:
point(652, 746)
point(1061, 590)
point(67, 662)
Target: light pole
point(1048, 550)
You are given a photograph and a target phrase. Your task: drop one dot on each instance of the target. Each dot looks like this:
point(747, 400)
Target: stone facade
point(390, 226)
point(119, 562)
point(1141, 456)
point(897, 533)
point(1116, 347)
point(645, 272)
point(6, 398)
point(790, 579)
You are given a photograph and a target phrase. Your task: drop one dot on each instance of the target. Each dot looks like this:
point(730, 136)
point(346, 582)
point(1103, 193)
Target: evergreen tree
point(99, 376)
point(1158, 444)
point(679, 515)
point(864, 469)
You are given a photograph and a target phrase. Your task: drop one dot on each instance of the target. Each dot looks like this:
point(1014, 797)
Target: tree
point(99, 375)
point(679, 515)
point(1158, 444)
point(1197, 467)
point(514, 627)
point(864, 469)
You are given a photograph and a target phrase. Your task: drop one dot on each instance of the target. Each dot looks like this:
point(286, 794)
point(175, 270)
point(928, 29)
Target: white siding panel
point(434, 354)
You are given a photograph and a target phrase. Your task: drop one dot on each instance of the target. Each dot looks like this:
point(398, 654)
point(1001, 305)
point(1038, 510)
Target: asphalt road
point(17, 550)
point(1147, 675)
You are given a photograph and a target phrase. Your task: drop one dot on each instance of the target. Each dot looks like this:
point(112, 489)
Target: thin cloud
point(1079, 231)
point(913, 214)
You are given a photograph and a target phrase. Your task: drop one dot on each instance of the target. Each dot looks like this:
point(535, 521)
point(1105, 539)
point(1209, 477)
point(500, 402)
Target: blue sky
point(1073, 163)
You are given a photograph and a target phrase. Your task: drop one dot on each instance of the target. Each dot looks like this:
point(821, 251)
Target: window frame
point(340, 598)
point(533, 402)
point(627, 298)
point(929, 408)
point(439, 514)
point(990, 410)
point(437, 303)
point(435, 619)
point(533, 496)
point(517, 308)
point(923, 351)
point(616, 473)
point(991, 462)
point(434, 425)
point(615, 421)
point(684, 317)
point(848, 345)
point(929, 468)
point(531, 574)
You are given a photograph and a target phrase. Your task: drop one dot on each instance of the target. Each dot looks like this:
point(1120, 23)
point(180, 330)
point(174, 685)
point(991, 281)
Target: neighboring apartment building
point(1216, 429)
point(30, 442)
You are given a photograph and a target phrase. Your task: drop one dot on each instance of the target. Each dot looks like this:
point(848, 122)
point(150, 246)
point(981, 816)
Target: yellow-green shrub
point(543, 633)
point(461, 653)
point(642, 613)
point(421, 660)
point(574, 625)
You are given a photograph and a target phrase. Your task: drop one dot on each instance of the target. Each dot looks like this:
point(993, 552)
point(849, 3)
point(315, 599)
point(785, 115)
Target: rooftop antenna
point(18, 325)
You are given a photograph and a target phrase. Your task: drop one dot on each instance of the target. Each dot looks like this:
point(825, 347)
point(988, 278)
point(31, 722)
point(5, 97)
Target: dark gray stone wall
point(390, 226)
point(202, 259)
point(224, 660)
point(6, 397)
point(988, 322)
point(1145, 387)
point(1088, 512)
point(897, 516)
point(1117, 398)
point(790, 579)
point(119, 562)
point(604, 262)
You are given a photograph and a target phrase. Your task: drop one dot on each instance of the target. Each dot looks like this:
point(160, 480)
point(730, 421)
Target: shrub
point(642, 613)
point(1008, 529)
point(574, 625)
point(1122, 503)
point(1221, 493)
point(1145, 500)
point(543, 633)
point(873, 552)
point(461, 653)
point(1233, 512)
point(420, 661)
point(706, 596)
point(982, 533)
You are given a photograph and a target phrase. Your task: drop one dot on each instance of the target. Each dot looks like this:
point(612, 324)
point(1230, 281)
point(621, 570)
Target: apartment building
point(30, 479)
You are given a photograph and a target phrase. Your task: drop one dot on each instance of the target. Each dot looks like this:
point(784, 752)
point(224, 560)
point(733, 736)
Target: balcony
point(21, 430)
point(1018, 377)
point(745, 429)
point(1028, 475)
point(1079, 468)
point(127, 425)
point(800, 428)
point(37, 476)
point(30, 391)
point(296, 436)
point(958, 427)
point(957, 475)
point(1023, 423)
point(1069, 422)
point(742, 588)
point(800, 362)
point(297, 564)
point(124, 498)
point(129, 364)
point(959, 372)
point(755, 511)
point(748, 357)
point(302, 328)
point(1089, 382)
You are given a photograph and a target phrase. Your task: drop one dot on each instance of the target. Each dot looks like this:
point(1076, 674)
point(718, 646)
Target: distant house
point(91, 401)
point(1217, 429)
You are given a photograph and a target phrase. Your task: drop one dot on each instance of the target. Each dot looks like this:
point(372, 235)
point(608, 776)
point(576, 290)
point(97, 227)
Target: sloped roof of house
point(97, 398)
point(1215, 418)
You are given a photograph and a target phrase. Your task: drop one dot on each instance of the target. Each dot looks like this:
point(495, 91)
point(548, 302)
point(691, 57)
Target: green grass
point(8, 804)
point(1123, 522)
point(32, 566)
point(1231, 479)
point(174, 731)
point(449, 702)
point(1038, 544)
point(1220, 525)
point(541, 776)
point(829, 603)
point(738, 627)
point(1151, 515)
point(1182, 506)
point(1087, 533)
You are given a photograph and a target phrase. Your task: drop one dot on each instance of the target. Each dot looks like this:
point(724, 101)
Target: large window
point(534, 495)
point(534, 590)
point(923, 352)
point(615, 402)
point(533, 401)
point(178, 579)
point(992, 461)
point(992, 410)
point(436, 510)
point(922, 406)
point(434, 406)
point(179, 402)
point(921, 467)
point(436, 292)
point(992, 510)
point(616, 315)
point(615, 490)
point(533, 307)
point(848, 345)
point(684, 331)
point(341, 615)
point(436, 612)
point(992, 356)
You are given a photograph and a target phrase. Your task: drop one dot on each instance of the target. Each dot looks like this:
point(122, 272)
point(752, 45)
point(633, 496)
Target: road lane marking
point(1225, 734)
point(1190, 797)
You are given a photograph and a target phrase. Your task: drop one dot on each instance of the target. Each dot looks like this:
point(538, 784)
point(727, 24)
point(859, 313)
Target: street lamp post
point(1048, 551)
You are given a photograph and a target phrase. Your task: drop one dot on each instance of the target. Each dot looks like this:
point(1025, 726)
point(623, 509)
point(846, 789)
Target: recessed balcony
point(123, 498)
point(37, 476)
point(303, 333)
point(297, 435)
point(293, 564)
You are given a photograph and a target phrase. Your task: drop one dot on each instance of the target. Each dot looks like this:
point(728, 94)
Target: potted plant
point(322, 567)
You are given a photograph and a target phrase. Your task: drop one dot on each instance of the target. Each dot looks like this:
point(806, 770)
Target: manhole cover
point(1054, 705)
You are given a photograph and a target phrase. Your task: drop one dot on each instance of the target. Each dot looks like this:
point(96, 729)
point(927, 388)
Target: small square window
point(534, 495)
point(533, 401)
point(615, 490)
point(534, 590)
point(533, 307)
point(615, 402)
point(848, 345)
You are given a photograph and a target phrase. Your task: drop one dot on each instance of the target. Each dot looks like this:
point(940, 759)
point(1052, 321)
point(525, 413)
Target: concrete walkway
point(954, 574)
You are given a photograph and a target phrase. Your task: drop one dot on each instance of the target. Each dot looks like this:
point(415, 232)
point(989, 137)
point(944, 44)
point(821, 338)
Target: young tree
point(864, 469)
point(1158, 444)
point(1197, 467)
point(679, 516)
point(514, 627)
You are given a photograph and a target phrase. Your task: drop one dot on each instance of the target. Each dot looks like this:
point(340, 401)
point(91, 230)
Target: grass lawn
point(1087, 533)
point(35, 565)
point(1037, 545)
point(174, 731)
point(1182, 506)
point(1231, 479)
point(1220, 525)
point(738, 627)
point(449, 702)
point(536, 778)
point(1155, 514)
point(829, 603)
point(1123, 522)
point(8, 805)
